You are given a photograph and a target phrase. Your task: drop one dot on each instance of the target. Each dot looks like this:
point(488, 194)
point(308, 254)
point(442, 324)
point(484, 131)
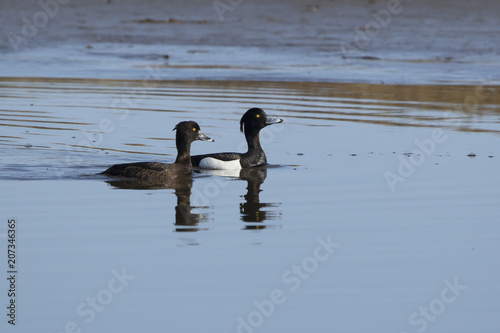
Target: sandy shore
point(374, 41)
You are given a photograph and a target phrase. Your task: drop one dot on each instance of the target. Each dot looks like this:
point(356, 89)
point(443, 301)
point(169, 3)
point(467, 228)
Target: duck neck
point(183, 151)
point(253, 141)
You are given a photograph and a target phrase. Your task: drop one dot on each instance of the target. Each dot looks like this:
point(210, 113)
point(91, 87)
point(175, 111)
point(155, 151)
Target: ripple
point(98, 121)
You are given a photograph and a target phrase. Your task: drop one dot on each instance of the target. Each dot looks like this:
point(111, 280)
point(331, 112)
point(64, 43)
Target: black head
point(189, 131)
point(256, 119)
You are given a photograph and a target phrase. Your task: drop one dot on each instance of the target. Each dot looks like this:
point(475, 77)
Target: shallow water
point(403, 180)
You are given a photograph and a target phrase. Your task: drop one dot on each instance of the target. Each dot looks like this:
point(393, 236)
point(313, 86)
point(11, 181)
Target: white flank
point(213, 163)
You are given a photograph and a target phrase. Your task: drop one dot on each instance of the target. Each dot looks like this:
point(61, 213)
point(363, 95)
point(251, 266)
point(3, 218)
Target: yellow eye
point(194, 129)
point(257, 115)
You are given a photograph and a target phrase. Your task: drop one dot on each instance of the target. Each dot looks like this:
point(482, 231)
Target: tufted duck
point(251, 123)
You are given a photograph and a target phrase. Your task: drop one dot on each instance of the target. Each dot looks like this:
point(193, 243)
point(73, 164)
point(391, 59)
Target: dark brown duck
point(156, 172)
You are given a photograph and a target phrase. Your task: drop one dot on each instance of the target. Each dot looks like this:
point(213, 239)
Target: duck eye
point(194, 129)
point(257, 115)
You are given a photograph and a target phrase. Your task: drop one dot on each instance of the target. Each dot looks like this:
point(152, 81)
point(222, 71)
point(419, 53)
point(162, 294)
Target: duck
point(251, 123)
point(163, 173)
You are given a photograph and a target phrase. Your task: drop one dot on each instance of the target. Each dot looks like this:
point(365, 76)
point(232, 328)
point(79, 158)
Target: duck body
point(163, 173)
point(156, 172)
point(251, 123)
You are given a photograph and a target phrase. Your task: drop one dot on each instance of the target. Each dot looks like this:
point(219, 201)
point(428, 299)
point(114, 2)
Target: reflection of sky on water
point(333, 149)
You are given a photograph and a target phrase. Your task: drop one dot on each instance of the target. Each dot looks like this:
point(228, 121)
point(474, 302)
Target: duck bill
point(203, 137)
point(272, 121)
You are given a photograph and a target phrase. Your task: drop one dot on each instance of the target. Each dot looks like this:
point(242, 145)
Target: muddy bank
point(338, 41)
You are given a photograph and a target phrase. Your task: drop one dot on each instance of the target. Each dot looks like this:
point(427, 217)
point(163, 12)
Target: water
point(379, 200)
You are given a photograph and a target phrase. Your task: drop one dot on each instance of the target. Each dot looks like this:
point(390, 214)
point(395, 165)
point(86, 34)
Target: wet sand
point(443, 42)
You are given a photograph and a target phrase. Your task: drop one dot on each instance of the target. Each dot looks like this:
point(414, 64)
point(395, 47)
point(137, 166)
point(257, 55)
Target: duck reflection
point(252, 210)
point(185, 220)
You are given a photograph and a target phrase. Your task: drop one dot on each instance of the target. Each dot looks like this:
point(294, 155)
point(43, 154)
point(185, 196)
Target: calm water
point(379, 210)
